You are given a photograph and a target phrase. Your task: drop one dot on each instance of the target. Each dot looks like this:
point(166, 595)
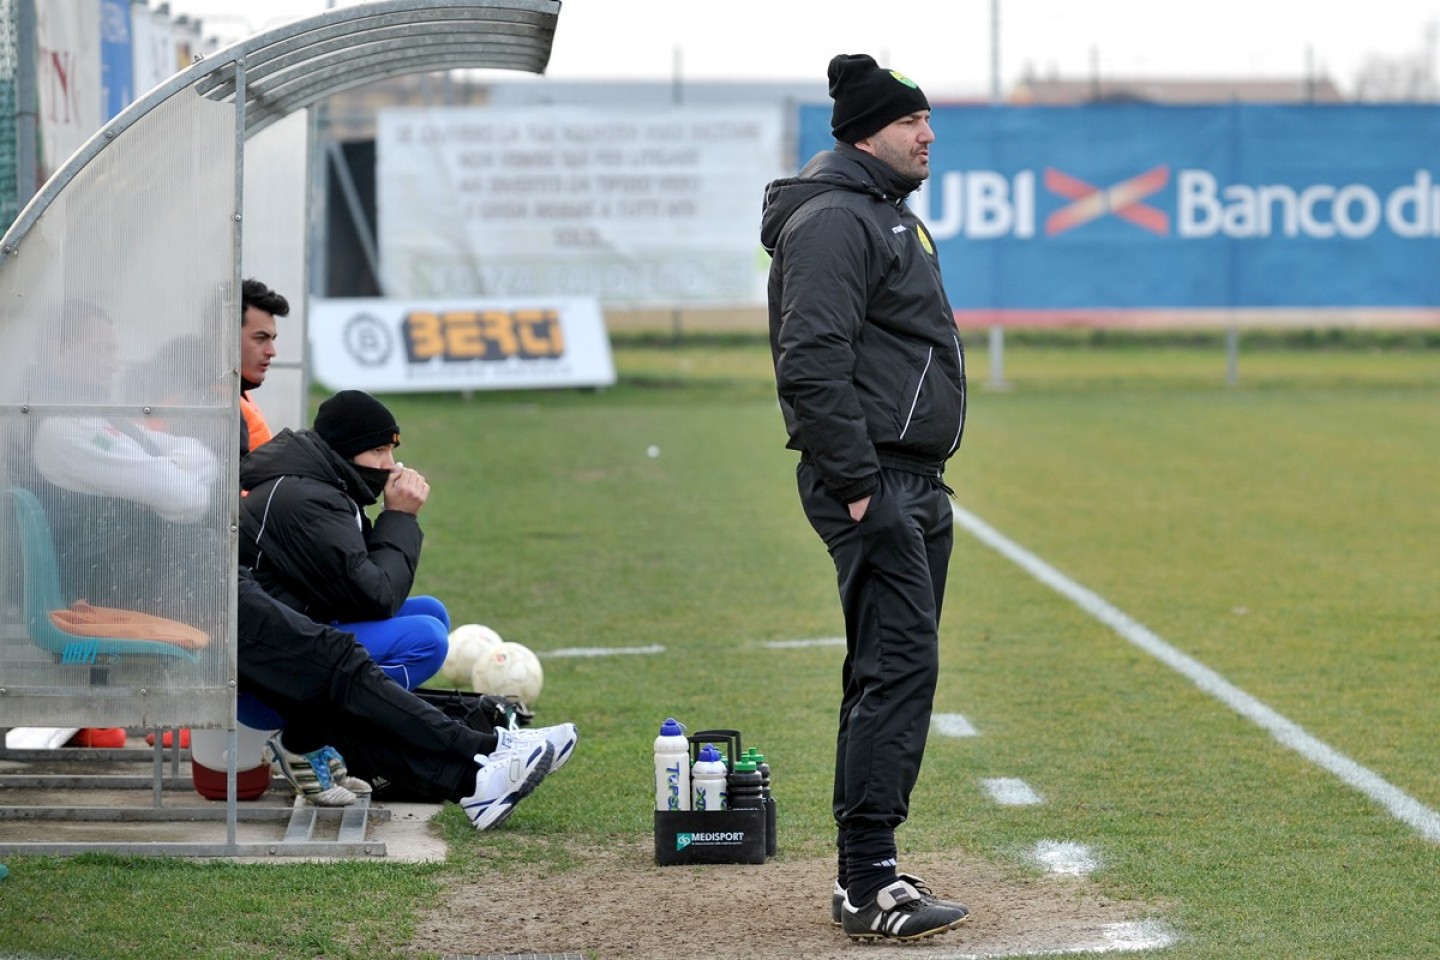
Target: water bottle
point(744, 786)
point(754, 755)
point(707, 780)
point(770, 819)
point(672, 768)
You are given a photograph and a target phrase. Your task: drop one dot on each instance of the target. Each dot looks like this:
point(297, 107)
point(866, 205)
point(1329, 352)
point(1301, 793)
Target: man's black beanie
point(352, 422)
point(869, 97)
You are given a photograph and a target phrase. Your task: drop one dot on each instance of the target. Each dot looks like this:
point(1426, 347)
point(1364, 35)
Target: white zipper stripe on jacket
point(960, 359)
point(915, 400)
point(264, 519)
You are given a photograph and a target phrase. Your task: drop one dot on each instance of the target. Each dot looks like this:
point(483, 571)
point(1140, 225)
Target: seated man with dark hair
point(259, 306)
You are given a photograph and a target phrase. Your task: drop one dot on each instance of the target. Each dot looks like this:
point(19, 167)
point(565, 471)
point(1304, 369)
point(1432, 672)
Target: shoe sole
point(330, 798)
point(507, 806)
point(870, 936)
point(356, 786)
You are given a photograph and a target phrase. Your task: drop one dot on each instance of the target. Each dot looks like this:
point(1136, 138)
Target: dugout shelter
point(119, 365)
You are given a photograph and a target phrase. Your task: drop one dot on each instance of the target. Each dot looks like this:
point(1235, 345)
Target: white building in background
point(91, 60)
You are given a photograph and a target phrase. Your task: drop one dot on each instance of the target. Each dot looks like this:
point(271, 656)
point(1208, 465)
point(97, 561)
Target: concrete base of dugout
point(140, 800)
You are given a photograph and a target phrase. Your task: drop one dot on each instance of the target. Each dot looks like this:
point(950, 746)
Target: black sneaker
point(901, 912)
point(837, 898)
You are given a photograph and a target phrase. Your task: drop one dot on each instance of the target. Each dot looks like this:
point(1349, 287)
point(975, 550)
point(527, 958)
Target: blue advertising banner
point(1137, 206)
point(116, 58)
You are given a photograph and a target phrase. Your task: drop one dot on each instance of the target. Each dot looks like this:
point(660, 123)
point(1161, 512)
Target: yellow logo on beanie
point(924, 239)
point(904, 79)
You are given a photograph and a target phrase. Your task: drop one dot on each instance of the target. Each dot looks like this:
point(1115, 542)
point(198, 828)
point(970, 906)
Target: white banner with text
point(415, 346)
point(636, 208)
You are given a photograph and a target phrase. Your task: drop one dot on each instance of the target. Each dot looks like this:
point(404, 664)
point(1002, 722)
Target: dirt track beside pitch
point(620, 905)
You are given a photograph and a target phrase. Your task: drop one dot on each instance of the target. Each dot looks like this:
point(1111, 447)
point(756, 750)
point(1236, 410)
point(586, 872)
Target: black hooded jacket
point(305, 535)
point(868, 363)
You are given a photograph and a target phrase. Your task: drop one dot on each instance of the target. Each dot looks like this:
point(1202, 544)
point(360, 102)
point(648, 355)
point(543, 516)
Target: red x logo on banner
point(1092, 203)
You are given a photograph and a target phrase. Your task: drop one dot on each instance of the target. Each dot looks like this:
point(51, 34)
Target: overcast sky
point(946, 44)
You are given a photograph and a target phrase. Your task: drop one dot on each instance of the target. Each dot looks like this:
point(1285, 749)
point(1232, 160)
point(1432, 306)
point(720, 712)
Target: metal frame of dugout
point(181, 167)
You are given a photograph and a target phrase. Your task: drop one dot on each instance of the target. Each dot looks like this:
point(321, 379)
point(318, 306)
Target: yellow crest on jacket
point(925, 239)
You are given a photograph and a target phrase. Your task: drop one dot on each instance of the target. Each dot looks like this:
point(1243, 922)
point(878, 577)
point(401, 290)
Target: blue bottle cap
point(708, 753)
point(671, 728)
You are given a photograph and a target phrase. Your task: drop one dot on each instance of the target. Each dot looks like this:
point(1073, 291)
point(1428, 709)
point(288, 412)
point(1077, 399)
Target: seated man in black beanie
point(328, 691)
point(305, 535)
point(870, 374)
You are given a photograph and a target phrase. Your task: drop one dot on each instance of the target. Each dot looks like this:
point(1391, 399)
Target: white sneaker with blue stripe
point(562, 736)
point(508, 775)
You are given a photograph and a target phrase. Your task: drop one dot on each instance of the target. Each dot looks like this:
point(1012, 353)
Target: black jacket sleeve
point(826, 262)
point(326, 561)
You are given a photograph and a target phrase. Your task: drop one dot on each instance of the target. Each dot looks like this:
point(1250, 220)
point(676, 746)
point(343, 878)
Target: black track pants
point(330, 692)
point(891, 569)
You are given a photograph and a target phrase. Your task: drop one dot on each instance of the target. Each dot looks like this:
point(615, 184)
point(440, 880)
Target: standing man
point(871, 378)
point(259, 306)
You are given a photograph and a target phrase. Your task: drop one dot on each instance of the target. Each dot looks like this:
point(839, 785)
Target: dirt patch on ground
point(620, 905)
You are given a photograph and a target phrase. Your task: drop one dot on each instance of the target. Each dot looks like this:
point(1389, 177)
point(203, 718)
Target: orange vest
point(254, 421)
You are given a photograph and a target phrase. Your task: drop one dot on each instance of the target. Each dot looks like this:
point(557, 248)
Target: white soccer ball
point(468, 643)
point(509, 670)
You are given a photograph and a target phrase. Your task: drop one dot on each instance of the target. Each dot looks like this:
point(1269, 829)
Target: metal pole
point(1232, 254)
point(994, 52)
point(27, 104)
point(369, 244)
point(232, 740)
point(997, 332)
point(1432, 32)
point(677, 96)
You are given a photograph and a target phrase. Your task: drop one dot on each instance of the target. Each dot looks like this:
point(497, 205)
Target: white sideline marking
point(1065, 856)
point(1401, 805)
point(795, 644)
point(1137, 935)
point(601, 651)
point(1011, 792)
point(1129, 936)
point(952, 725)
